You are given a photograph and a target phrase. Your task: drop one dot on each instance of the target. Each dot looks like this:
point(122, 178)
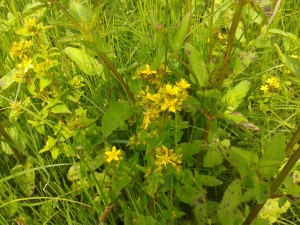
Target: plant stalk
point(235, 22)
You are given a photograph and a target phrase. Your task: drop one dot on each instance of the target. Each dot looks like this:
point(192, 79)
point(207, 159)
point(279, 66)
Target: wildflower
point(149, 115)
point(222, 36)
point(265, 89)
point(21, 49)
point(16, 106)
point(31, 26)
point(171, 105)
point(273, 82)
point(164, 69)
point(183, 84)
point(171, 90)
point(113, 154)
point(165, 156)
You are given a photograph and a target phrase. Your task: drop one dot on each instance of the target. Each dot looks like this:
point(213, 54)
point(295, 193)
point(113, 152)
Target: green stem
point(235, 22)
point(280, 177)
point(164, 120)
point(117, 75)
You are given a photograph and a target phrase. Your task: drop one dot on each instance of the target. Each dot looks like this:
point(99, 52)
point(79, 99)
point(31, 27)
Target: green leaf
point(291, 63)
point(271, 210)
point(244, 161)
point(86, 63)
point(180, 35)
point(197, 64)
point(25, 182)
point(228, 210)
point(235, 96)
point(235, 117)
point(50, 143)
point(60, 108)
point(116, 114)
point(239, 62)
point(261, 190)
point(44, 82)
point(212, 93)
point(101, 45)
point(152, 184)
point(7, 79)
point(120, 180)
point(189, 148)
point(291, 36)
point(80, 12)
point(17, 139)
point(186, 193)
point(273, 156)
point(54, 153)
point(74, 173)
point(34, 9)
point(291, 184)
point(212, 158)
point(206, 180)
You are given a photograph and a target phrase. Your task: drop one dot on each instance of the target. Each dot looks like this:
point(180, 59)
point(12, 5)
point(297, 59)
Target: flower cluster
point(168, 98)
point(272, 84)
point(165, 156)
point(21, 49)
point(153, 76)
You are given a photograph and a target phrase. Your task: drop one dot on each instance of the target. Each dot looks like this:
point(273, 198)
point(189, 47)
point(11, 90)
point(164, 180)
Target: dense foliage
point(149, 112)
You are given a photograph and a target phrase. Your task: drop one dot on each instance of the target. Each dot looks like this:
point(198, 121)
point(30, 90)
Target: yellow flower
point(222, 36)
point(273, 82)
point(171, 90)
point(21, 48)
point(183, 84)
point(147, 72)
point(113, 154)
point(265, 89)
point(170, 104)
point(165, 156)
point(31, 26)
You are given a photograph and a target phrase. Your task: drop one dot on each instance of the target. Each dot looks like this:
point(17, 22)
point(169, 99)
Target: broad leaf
point(291, 63)
point(273, 156)
point(80, 12)
point(291, 184)
point(60, 108)
point(228, 210)
point(180, 35)
point(7, 79)
point(25, 182)
point(234, 96)
point(116, 114)
point(239, 62)
point(213, 158)
point(206, 180)
point(86, 63)
point(197, 64)
point(244, 161)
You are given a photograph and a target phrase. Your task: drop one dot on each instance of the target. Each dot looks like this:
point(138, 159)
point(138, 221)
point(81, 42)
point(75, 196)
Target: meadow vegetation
point(149, 112)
